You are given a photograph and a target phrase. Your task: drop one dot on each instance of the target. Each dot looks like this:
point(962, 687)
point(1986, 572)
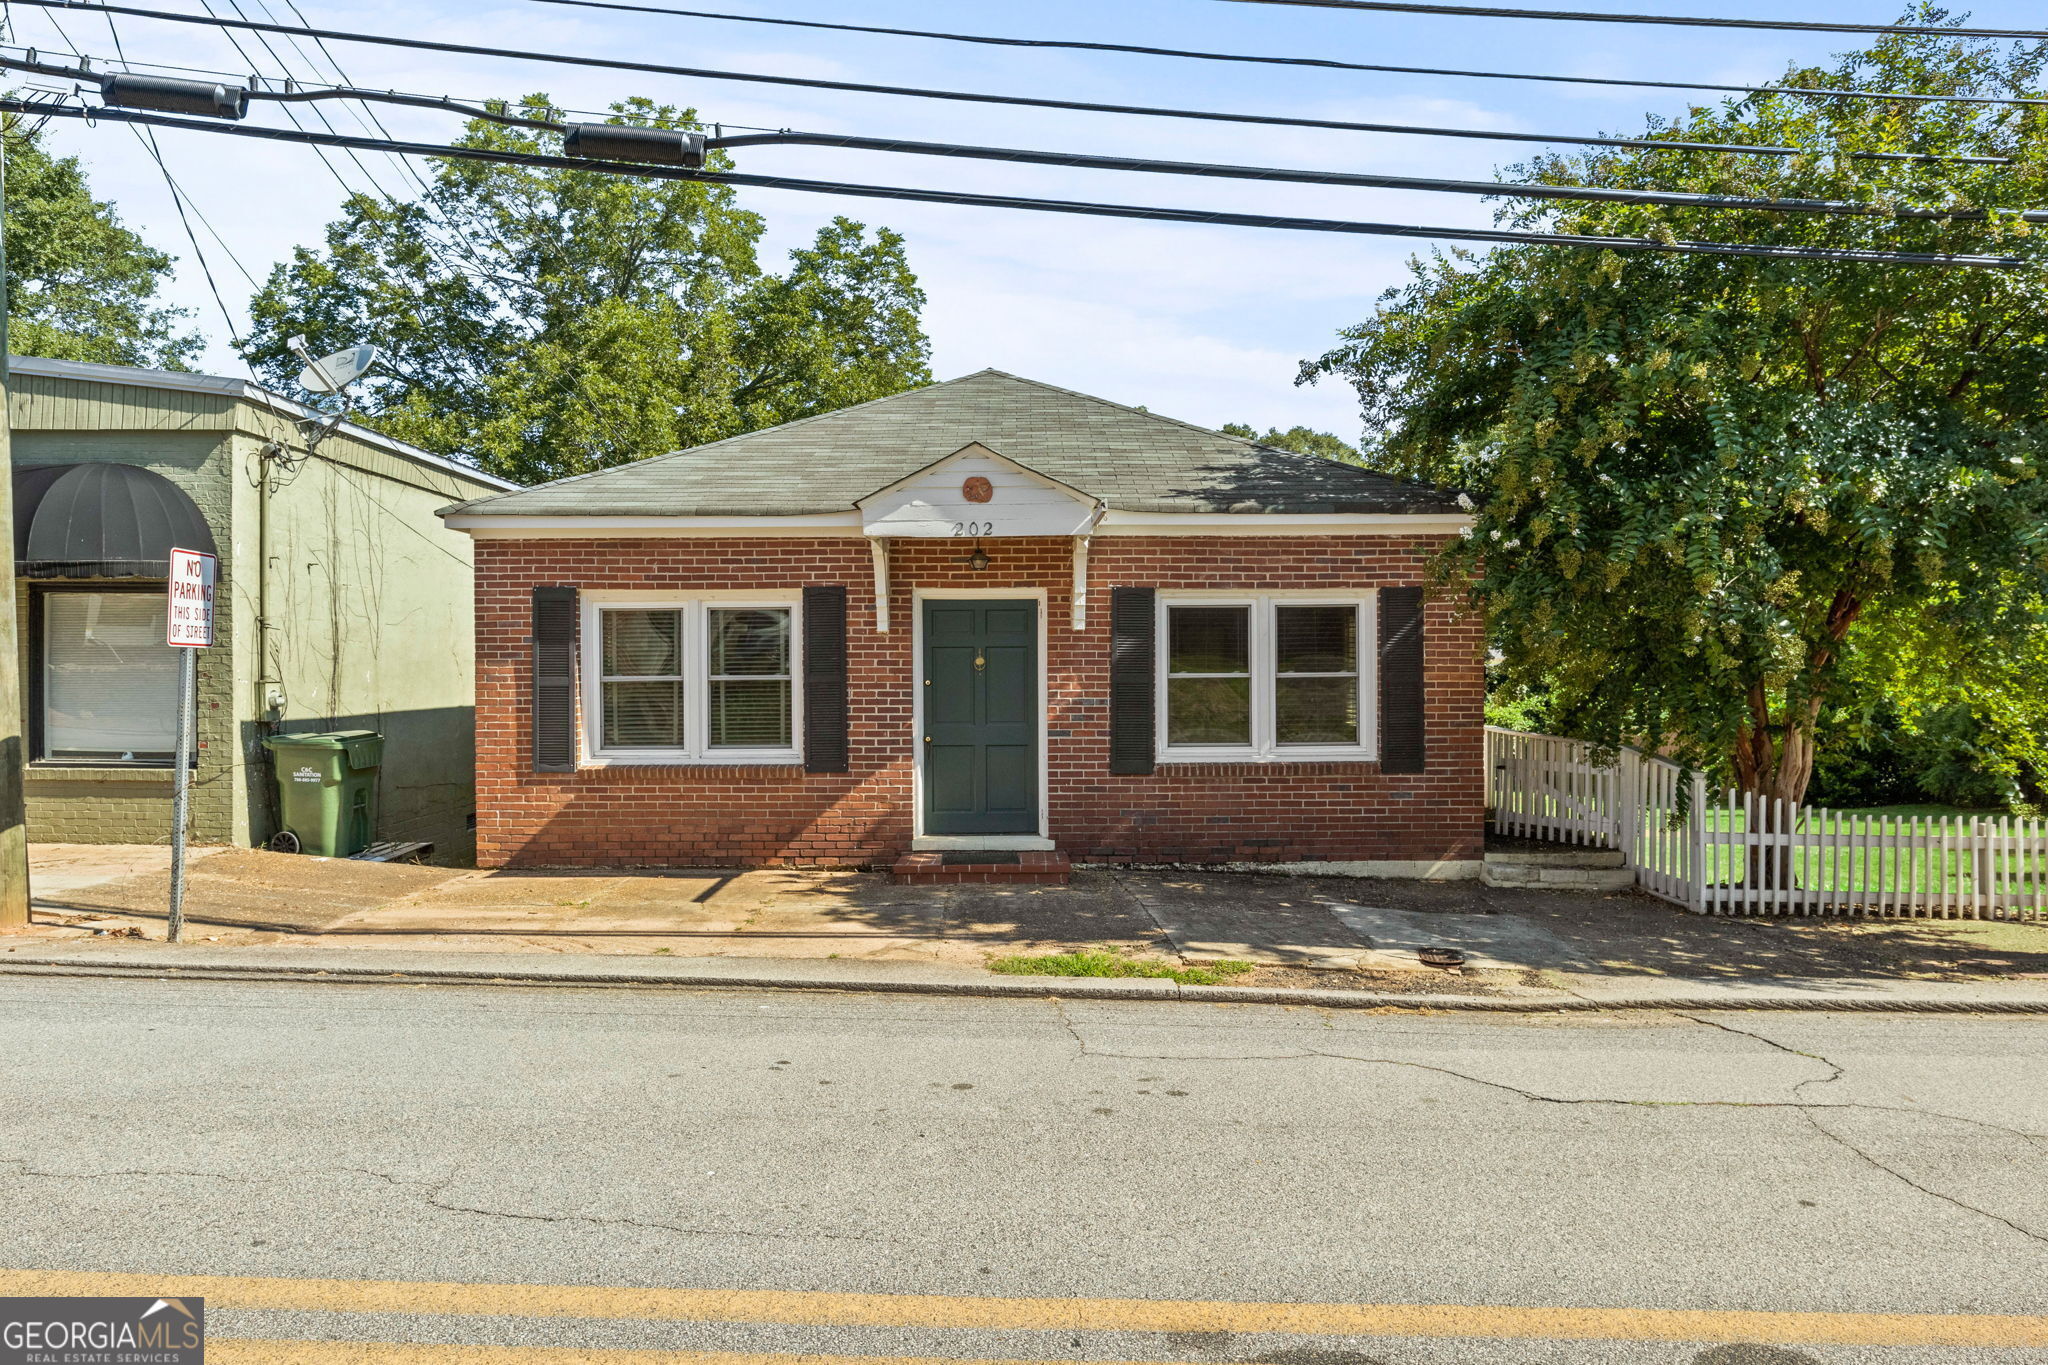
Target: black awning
point(101, 520)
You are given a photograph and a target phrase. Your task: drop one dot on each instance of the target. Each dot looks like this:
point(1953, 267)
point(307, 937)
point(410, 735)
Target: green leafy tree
point(1302, 440)
point(544, 322)
point(1712, 489)
point(80, 286)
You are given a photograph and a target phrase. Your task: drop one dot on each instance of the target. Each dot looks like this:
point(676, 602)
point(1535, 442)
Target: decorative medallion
point(977, 489)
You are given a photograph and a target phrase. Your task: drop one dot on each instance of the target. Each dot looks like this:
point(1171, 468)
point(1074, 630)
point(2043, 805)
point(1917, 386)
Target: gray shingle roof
point(1135, 461)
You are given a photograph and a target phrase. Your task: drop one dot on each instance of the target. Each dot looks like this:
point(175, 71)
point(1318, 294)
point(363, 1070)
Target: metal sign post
point(189, 628)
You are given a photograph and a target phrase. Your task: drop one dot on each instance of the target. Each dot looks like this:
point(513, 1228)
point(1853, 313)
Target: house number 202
point(974, 528)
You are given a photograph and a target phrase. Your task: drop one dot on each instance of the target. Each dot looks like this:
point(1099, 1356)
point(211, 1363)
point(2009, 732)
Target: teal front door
point(980, 736)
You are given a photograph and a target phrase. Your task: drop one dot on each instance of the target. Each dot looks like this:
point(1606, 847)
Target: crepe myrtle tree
point(1704, 484)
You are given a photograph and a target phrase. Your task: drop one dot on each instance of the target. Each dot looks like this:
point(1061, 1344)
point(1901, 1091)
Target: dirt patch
point(1390, 983)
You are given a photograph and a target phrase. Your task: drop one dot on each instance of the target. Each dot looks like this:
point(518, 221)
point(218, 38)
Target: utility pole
point(13, 746)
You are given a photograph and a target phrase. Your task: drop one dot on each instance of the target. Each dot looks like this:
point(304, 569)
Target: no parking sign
point(190, 622)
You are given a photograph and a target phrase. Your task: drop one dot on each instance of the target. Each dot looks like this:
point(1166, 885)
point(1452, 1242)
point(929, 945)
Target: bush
point(1936, 759)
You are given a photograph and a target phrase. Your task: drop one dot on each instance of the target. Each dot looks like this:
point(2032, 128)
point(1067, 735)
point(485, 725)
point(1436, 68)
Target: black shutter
point(554, 680)
point(1133, 625)
point(825, 747)
point(1402, 745)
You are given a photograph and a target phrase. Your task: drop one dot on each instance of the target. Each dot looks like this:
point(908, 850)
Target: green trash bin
point(327, 790)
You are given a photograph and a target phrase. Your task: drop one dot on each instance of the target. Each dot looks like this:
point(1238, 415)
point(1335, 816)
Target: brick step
point(983, 867)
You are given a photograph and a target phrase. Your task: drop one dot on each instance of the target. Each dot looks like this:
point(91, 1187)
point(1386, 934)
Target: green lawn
point(1865, 862)
point(1887, 817)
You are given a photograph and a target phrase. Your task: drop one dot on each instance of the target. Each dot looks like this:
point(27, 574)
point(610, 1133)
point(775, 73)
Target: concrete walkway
point(1301, 934)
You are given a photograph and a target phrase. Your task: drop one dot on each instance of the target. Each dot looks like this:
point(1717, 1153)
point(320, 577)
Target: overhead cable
point(1212, 170)
point(1513, 189)
point(1065, 206)
point(1026, 101)
point(299, 95)
point(1680, 20)
point(1327, 63)
point(147, 138)
point(1354, 179)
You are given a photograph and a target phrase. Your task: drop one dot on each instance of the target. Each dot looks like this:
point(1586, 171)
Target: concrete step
point(1542, 878)
point(979, 867)
point(1555, 857)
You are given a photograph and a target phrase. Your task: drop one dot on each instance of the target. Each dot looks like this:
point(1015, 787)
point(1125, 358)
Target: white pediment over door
point(977, 493)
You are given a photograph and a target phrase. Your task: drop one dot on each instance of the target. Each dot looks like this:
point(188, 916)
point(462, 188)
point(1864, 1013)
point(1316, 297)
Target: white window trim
point(1264, 660)
point(696, 662)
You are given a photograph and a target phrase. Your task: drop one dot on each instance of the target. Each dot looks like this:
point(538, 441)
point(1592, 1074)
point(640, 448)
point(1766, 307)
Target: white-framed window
point(1265, 677)
point(690, 680)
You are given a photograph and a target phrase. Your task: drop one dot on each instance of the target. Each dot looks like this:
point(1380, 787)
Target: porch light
point(979, 559)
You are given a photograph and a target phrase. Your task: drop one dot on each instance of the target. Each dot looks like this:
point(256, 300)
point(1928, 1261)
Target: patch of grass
point(1107, 962)
point(1873, 818)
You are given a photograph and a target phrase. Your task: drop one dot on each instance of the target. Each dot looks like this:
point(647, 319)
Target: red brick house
point(989, 616)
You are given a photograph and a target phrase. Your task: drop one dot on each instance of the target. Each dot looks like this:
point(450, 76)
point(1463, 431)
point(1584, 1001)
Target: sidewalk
point(1306, 937)
point(341, 966)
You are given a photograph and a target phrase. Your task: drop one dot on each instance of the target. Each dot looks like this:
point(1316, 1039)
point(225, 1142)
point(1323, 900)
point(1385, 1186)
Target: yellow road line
point(223, 1351)
point(809, 1309)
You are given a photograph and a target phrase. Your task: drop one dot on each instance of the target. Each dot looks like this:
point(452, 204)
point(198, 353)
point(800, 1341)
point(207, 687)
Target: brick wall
point(708, 816)
point(117, 804)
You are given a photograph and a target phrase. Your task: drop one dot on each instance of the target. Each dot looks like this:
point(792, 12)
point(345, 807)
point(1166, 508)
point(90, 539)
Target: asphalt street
point(621, 1174)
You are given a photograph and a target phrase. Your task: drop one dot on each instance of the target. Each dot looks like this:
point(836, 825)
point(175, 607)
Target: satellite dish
point(333, 373)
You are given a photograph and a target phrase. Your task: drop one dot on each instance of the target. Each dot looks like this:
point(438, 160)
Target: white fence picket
point(1734, 853)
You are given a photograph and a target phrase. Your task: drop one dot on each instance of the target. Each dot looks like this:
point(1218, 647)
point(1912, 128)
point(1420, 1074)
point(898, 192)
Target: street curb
point(1029, 988)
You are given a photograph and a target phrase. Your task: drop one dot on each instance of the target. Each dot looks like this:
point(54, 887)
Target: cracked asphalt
point(1795, 1163)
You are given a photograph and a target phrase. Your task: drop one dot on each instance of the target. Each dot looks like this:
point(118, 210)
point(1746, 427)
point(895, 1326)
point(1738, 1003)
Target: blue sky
point(1204, 323)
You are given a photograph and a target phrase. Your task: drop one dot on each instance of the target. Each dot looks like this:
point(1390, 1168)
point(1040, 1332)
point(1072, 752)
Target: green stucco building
point(343, 604)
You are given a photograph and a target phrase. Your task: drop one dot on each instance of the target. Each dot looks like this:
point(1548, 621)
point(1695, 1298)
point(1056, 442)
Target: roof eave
point(178, 381)
point(1113, 522)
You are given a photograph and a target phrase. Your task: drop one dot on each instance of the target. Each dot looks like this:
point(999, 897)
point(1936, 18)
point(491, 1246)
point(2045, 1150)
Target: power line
point(1367, 180)
point(285, 70)
point(1512, 189)
point(147, 137)
point(1680, 20)
point(243, 53)
point(1211, 170)
point(470, 106)
point(1327, 63)
point(458, 240)
point(1026, 101)
point(1067, 206)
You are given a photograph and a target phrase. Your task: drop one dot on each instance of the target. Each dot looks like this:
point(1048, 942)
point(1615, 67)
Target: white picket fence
point(1736, 854)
